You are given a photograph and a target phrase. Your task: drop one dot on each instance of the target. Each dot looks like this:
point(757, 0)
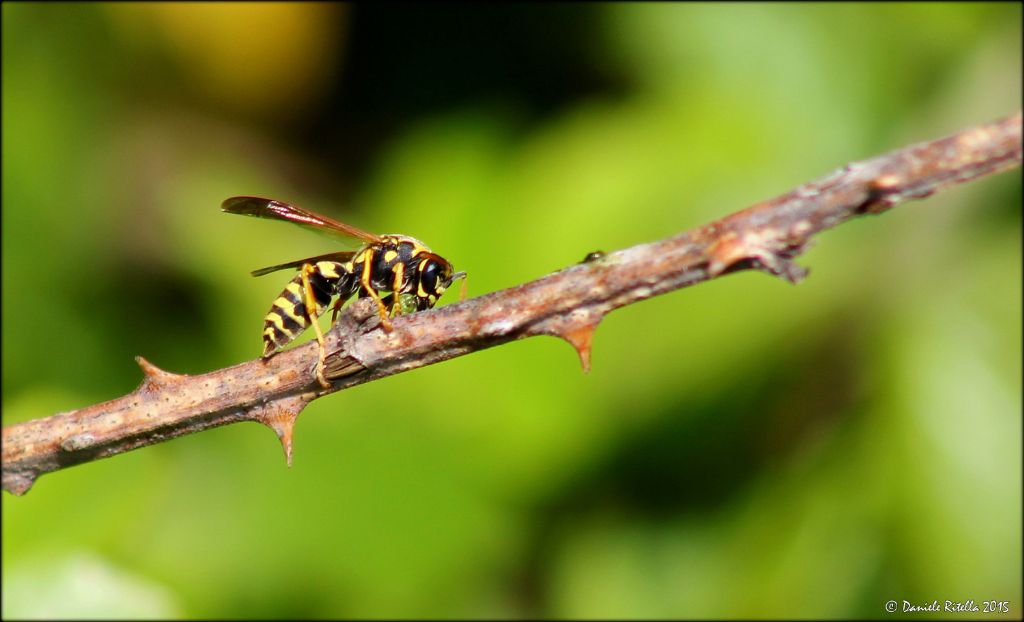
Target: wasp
point(398, 264)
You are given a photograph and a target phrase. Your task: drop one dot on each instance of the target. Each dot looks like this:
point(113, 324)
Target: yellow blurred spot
point(265, 57)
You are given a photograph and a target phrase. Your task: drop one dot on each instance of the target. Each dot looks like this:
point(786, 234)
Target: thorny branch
point(568, 304)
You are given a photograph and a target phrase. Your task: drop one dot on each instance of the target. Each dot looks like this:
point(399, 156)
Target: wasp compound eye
point(428, 276)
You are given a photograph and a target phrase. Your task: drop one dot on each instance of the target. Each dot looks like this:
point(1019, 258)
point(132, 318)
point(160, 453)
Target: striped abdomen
point(288, 316)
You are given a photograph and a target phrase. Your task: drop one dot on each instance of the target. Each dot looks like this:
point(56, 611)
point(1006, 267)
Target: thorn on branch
point(577, 328)
point(155, 378)
point(280, 417)
point(580, 338)
point(759, 250)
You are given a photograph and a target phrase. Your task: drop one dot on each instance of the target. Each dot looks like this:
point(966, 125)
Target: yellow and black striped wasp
point(391, 263)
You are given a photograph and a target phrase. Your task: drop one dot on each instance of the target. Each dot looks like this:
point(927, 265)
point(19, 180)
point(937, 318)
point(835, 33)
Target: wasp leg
point(307, 288)
point(364, 280)
point(396, 307)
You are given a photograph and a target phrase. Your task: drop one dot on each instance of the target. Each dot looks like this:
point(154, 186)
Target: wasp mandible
point(393, 263)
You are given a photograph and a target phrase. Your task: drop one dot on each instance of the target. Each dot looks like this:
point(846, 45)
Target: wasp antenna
point(465, 283)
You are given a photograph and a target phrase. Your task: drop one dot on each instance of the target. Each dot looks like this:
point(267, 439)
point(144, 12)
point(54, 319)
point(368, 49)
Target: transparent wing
point(277, 210)
point(339, 257)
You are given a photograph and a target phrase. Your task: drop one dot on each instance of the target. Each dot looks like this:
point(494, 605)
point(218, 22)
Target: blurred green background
point(742, 448)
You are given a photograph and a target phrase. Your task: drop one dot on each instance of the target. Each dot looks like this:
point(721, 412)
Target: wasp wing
point(339, 257)
point(278, 210)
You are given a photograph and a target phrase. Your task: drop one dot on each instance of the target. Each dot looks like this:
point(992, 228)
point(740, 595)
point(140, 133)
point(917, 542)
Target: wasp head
point(435, 276)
